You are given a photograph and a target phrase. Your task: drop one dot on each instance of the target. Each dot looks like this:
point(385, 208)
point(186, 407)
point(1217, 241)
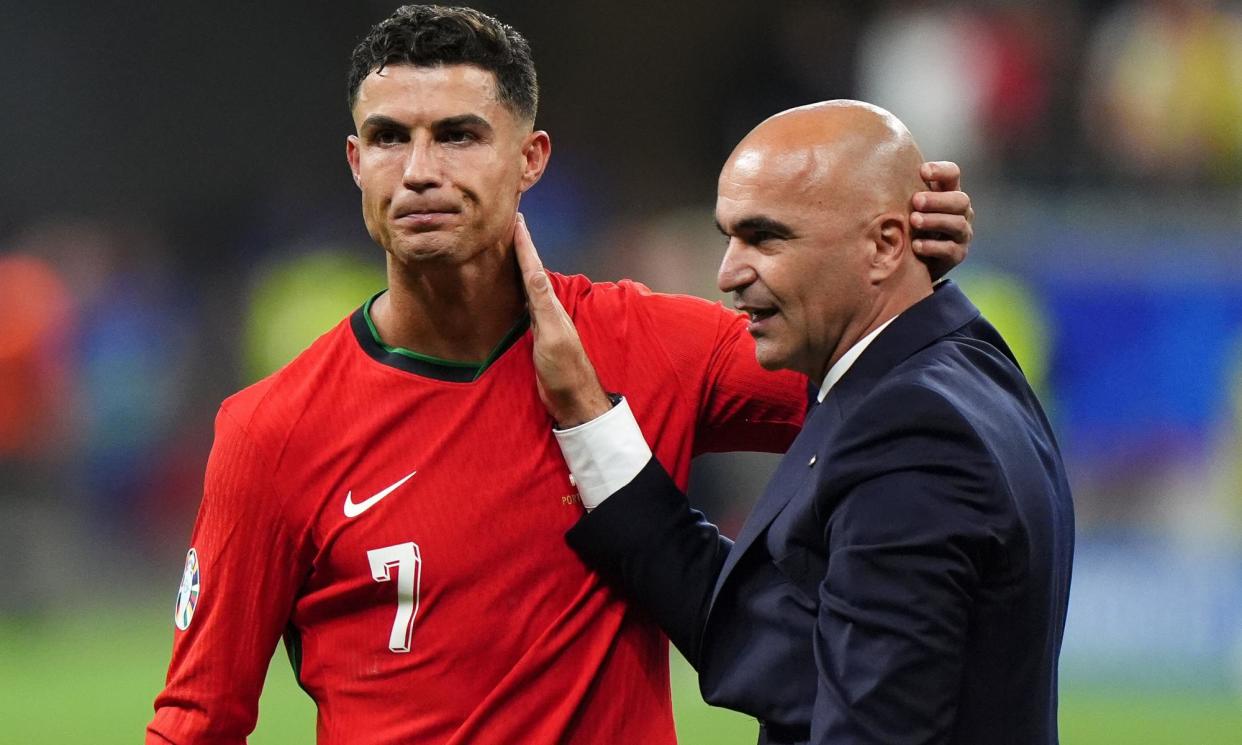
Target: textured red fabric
point(513, 640)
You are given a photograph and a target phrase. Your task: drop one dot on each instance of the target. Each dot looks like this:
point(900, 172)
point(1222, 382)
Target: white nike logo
point(354, 510)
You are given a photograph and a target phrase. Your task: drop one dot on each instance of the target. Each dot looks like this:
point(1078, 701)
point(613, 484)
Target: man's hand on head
point(568, 385)
point(942, 218)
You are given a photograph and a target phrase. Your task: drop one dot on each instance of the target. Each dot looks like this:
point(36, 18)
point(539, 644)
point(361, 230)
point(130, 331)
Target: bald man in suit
point(904, 577)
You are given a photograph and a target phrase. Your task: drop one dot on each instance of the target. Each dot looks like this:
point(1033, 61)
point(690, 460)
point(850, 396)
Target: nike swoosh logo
point(353, 509)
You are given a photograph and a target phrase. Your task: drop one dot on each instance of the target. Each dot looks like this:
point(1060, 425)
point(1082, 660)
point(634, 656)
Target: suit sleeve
point(740, 406)
point(249, 572)
point(906, 549)
point(664, 555)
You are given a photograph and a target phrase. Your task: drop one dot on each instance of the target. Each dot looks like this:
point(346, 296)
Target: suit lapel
point(790, 475)
point(945, 311)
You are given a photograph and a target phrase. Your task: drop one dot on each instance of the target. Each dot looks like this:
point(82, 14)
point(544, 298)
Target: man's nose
point(422, 169)
point(735, 271)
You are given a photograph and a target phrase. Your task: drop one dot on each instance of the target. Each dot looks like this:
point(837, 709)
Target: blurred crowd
point(1102, 142)
point(1052, 91)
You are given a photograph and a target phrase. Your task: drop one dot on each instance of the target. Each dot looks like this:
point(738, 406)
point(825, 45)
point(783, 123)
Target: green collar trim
point(428, 364)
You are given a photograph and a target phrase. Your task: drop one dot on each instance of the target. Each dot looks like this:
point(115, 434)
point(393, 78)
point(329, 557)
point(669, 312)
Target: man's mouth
point(427, 211)
point(425, 217)
point(758, 317)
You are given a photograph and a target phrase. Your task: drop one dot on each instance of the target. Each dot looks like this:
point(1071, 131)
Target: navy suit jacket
point(904, 577)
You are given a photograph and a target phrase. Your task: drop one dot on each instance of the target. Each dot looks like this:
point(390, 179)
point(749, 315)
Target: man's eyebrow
point(379, 121)
point(464, 120)
point(758, 224)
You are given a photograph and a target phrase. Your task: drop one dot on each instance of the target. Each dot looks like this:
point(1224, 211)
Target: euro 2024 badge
point(187, 594)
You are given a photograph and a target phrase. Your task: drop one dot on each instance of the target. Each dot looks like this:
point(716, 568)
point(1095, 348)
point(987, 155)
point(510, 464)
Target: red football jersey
point(402, 524)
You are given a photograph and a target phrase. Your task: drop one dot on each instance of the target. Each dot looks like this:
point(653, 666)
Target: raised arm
point(640, 531)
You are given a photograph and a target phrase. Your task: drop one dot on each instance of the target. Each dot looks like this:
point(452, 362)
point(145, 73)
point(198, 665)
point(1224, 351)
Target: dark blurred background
point(177, 220)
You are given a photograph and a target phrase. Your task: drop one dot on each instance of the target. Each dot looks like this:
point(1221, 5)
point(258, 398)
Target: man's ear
point(890, 237)
point(536, 150)
point(352, 155)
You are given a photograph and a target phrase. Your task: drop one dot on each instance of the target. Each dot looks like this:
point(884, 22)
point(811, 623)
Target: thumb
point(527, 257)
point(543, 303)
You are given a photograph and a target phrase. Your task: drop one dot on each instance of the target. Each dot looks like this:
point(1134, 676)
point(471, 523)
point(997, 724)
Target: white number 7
point(405, 558)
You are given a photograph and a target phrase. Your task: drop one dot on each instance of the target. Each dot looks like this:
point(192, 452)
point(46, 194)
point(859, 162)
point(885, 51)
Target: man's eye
point(458, 135)
point(388, 137)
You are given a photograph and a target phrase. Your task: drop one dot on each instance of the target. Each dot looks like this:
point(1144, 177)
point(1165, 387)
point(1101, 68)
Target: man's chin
point(426, 249)
point(769, 359)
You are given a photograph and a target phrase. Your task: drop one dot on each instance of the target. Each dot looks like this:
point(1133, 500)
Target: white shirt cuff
point(604, 454)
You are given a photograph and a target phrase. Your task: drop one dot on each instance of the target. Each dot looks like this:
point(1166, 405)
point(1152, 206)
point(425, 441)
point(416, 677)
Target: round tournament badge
point(187, 595)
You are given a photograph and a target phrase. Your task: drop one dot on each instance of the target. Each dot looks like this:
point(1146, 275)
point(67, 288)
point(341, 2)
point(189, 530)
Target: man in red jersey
point(392, 500)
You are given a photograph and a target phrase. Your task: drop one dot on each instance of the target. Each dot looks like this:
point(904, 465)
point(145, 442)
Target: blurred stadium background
point(177, 220)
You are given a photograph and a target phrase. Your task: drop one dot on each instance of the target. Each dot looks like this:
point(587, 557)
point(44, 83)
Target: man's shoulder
point(625, 307)
point(963, 393)
point(580, 289)
point(581, 294)
point(964, 372)
point(271, 405)
point(923, 420)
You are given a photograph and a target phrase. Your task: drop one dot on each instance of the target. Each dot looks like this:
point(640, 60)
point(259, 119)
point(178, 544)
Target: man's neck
point(458, 313)
point(887, 306)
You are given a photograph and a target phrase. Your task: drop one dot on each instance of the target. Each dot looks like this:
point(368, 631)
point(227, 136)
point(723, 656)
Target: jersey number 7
point(408, 563)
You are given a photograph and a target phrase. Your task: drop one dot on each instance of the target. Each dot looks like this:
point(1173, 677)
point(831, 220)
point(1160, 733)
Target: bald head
point(850, 150)
point(816, 204)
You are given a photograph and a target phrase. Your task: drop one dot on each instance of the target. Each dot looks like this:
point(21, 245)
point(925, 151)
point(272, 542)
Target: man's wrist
point(605, 453)
point(595, 406)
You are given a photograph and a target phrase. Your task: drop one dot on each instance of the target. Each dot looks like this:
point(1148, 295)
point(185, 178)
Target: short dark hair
point(434, 35)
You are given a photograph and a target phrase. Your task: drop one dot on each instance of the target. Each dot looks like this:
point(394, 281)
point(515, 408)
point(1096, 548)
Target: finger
point(942, 255)
point(941, 175)
point(937, 226)
point(948, 202)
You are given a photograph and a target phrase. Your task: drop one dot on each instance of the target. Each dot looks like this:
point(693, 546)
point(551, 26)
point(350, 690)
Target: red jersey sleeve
point(745, 407)
point(237, 591)
point(740, 406)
